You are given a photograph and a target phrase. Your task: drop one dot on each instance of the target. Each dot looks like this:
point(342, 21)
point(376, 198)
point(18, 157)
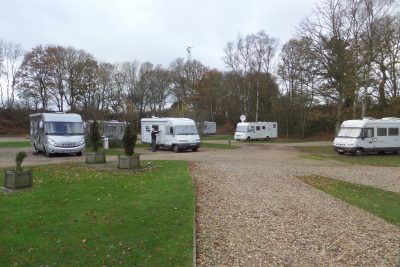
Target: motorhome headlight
point(198, 140)
point(82, 142)
point(52, 142)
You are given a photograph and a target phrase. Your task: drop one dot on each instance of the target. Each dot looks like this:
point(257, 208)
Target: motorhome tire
point(79, 154)
point(267, 138)
point(248, 138)
point(359, 151)
point(175, 149)
point(48, 154)
point(195, 149)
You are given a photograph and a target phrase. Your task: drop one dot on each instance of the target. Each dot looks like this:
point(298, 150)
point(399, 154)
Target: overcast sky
point(148, 30)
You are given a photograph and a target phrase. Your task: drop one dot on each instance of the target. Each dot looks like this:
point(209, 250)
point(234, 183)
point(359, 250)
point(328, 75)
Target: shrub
point(95, 136)
point(19, 159)
point(129, 140)
point(115, 143)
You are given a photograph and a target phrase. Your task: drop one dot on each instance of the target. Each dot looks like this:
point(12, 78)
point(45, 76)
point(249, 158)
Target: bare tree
point(10, 59)
point(34, 75)
point(299, 78)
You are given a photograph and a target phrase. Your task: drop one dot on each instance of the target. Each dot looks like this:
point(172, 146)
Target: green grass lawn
point(15, 144)
point(219, 146)
point(77, 215)
point(216, 137)
point(383, 204)
point(326, 152)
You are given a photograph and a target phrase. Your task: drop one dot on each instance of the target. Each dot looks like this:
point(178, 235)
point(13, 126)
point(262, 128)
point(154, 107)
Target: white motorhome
point(210, 127)
point(175, 133)
point(112, 129)
point(368, 135)
point(54, 133)
point(256, 130)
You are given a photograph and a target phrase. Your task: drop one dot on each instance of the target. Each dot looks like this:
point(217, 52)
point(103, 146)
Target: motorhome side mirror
point(40, 124)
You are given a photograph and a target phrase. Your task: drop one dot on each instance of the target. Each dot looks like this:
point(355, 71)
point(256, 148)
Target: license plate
point(340, 150)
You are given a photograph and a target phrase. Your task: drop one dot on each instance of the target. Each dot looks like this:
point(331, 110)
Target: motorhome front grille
point(69, 144)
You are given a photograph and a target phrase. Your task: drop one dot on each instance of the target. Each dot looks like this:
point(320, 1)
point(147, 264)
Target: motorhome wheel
point(48, 154)
point(176, 149)
point(79, 154)
point(359, 152)
point(248, 138)
point(194, 149)
point(267, 138)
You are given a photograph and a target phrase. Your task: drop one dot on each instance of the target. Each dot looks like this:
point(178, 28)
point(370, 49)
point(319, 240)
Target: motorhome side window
point(155, 127)
point(263, 127)
point(258, 128)
point(370, 132)
point(147, 128)
point(393, 131)
point(382, 132)
point(274, 125)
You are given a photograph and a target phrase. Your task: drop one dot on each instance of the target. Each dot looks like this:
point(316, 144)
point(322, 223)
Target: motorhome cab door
point(369, 137)
point(169, 134)
point(259, 132)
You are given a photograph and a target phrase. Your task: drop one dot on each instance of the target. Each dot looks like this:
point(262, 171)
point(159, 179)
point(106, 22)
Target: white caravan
point(175, 133)
point(368, 135)
point(256, 130)
point(210, 127)
point(54, 133)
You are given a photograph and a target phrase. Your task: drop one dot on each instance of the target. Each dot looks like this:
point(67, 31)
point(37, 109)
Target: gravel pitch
point(253, 211)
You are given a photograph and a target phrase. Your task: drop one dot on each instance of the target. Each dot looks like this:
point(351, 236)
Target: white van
point(210, 127)
point(368, 135)
point(175, 133)
point(256, 130)
point(58, 132)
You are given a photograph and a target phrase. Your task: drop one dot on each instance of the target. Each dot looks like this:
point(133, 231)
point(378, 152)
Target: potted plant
point(130, 160)
point(95, 156)
point(18, 178)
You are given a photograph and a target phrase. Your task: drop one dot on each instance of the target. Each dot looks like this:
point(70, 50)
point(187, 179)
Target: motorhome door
point(161, 134)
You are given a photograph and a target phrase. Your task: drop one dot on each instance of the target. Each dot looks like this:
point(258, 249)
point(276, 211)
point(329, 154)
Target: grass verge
point(381, 203)
point(218, 146)
point(326, 152)
point(77, 215)
point(13, 144)
point(216, 137)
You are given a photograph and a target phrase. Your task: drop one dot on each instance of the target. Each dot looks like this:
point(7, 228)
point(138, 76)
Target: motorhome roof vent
point(368, 118)
point(390, 118)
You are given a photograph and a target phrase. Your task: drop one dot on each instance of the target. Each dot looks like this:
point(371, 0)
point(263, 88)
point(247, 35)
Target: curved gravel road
point(252, 210)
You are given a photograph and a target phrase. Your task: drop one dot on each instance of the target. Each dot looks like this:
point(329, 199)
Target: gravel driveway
point(251, 210)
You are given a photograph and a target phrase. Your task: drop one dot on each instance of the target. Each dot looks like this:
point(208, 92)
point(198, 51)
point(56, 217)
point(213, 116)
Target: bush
point(95, 137)
point(129, 140)
point(19, 159)
point(115, 143)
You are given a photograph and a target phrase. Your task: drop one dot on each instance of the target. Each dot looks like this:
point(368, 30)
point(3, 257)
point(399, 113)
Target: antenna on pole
point(189, 53)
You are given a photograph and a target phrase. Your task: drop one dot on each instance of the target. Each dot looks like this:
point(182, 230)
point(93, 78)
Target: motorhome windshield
point(186, 130)
point(349, 132)
point(241, 128)
point(64, 128)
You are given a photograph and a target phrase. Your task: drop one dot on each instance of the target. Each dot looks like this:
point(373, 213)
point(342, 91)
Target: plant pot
point(95, 157)
point(17, 179)
point(129, 162)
